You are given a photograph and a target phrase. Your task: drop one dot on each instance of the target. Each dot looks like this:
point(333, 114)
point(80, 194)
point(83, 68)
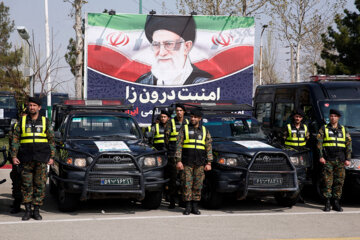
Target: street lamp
point(24, 34)
point(260, 70)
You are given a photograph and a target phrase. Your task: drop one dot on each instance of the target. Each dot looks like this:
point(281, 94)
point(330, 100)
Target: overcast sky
point(31, 14)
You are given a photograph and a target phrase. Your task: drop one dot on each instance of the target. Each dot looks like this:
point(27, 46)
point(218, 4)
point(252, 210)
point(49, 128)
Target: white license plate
point(268, 181)
point(116, 181)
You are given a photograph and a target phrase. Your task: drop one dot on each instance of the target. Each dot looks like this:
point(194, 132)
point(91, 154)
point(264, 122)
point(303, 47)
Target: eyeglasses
point(168, 45)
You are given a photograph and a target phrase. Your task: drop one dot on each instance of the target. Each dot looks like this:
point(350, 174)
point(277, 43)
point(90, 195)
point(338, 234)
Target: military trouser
point(171, 173)
point(333, 173)
point(33, 182)
point(15, 176)
point(192, 182)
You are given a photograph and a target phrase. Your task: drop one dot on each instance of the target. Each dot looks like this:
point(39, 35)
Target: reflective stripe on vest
point(332, 140)
point(174, 133)
point(293, 139)
point(194, 143)
point(31, 137)
point(159, 137)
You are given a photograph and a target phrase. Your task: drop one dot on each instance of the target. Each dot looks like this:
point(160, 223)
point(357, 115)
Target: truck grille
point(271, 162)
point(95, 182)
point(114, 163)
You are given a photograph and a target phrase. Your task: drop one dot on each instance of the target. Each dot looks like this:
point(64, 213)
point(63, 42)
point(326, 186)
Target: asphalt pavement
point(121, 219)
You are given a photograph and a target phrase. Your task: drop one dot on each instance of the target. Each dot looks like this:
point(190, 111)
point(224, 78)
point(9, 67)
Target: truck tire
point(67, 202)
point(210, 198)
point(152, 200)
point(287, 199)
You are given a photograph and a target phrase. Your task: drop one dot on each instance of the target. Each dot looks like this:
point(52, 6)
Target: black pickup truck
point(101, 153)
point(245, 163)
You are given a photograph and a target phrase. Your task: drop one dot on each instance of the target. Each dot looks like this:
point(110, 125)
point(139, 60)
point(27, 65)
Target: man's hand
point(179, 166)
point(322, 160)
point(347, 163)
point(207, 167)
point(51, 161)
point(15, 161)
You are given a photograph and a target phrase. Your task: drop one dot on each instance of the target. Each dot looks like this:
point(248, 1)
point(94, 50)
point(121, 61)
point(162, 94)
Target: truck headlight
point(297, 160)
point(228, 161)
point(354, 164)
point(152, 161)
point(80, 162)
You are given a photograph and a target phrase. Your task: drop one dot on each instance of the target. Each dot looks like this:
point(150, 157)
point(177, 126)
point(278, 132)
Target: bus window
point(282, 114)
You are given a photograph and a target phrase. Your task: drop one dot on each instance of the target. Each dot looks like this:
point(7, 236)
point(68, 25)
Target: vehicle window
point(350, 112)
point(282, 114)
point(89, 126)
point(287, 94)
point(7, 102)
point(238, 128)
point(263, 113)
point(63, 125)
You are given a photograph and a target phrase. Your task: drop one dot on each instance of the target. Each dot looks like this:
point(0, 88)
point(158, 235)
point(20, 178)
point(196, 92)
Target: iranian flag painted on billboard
point(158, 59)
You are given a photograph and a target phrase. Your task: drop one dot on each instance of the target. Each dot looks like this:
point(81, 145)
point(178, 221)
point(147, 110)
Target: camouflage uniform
point(34, 170)
point(15, 173)
point(193, 174)
point(333, 171)
point(170, 170)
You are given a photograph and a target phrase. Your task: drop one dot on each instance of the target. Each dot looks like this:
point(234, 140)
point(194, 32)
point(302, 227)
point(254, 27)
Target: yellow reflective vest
point(296, 138)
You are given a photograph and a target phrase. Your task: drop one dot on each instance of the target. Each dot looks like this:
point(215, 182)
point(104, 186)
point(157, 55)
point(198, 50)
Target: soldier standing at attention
point(334, 145)
point(171, 133)
point(33, 146)
point(158, 131)
point(15, 173)
point(193, 152)
point(296, 133)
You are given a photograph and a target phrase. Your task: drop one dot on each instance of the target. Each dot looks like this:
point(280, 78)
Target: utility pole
point(260, 70)
point(47, 36)
point(140, 6)
point(292, 63)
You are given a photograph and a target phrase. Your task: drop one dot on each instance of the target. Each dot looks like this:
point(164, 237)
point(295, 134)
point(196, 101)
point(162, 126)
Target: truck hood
point(94, 147)
point(248, 147)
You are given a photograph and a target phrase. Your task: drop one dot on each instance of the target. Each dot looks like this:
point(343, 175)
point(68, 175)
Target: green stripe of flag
point(137, 21)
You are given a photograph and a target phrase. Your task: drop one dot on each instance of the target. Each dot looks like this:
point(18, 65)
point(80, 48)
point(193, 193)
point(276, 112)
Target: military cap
point(184, 26)
point(180, 106)
point(334, 111)
point(298, 112)
point(196, 112)
point(35, 100)
point(165, 112)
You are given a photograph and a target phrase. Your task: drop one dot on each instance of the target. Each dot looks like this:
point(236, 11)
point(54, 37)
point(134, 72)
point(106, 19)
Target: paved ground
point(116, 219)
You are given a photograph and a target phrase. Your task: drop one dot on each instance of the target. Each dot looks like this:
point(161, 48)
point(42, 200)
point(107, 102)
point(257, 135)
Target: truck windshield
point(233, 127)
point(103, 127)
point(7, 102)
point(350, 110)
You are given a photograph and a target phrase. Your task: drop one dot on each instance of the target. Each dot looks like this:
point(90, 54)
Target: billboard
point(149, 60)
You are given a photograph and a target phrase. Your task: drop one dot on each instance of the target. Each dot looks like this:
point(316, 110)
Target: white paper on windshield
point(118, 146)
point(1, 113)
point(253, 144)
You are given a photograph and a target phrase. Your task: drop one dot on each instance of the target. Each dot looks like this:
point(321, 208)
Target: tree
point(11, 78)
point(221, 7)
point(296, 22)
point(79, 45)
point(342, 48)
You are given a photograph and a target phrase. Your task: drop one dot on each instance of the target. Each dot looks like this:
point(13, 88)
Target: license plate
point(268, 181)
point(116, 181)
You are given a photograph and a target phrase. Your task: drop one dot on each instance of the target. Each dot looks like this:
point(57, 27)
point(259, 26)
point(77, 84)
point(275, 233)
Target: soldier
point(158, 131)
point(296, 134)
point(334, 146)
point(33, 146)
point(193, 152)
point(171, 133)
point(15, 173)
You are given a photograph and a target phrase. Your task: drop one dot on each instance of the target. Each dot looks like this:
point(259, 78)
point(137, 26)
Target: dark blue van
point(8, 110)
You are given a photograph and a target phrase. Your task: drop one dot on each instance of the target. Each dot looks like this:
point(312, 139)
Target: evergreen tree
point(342, 48)
point(11, 78)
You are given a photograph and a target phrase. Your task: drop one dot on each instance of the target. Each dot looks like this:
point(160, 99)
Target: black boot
point(336, 205)
point(172, 203)
point(36, 214)
point(15, 208)
point(327, 205)
point(195, 209)
point(27, 214)
point(187, 208)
